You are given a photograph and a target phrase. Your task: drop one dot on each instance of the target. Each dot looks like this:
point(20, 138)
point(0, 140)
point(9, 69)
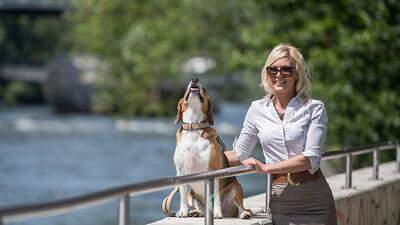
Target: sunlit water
point(45, 157)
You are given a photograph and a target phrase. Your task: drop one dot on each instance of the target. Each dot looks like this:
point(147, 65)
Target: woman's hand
point(254, 162)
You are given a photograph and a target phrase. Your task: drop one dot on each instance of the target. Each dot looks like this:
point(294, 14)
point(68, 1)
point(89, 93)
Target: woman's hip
point(310, 202)
point(308, 197)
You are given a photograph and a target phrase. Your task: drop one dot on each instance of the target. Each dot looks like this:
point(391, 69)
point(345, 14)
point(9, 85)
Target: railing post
point(123, 210)
point(398, 157)
point(375, 169)
point(268, 193)
point(209, 206)
point(349, 170)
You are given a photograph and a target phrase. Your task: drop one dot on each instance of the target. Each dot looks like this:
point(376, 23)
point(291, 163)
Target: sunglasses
point(286, 71)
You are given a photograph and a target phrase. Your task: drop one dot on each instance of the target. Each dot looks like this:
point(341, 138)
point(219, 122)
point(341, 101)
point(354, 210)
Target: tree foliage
point(351, 48)
point(148, 43)
point(27, 39)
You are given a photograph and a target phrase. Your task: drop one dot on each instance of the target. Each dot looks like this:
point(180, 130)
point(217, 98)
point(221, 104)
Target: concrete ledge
point(224, 221)
point(350, 203)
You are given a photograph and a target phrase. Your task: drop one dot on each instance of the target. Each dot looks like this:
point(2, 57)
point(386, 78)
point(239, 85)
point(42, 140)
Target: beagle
point(198, 150)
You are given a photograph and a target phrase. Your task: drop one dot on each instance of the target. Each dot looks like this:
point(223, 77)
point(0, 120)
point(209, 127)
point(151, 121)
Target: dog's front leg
point(184, 208)
point(217, 201)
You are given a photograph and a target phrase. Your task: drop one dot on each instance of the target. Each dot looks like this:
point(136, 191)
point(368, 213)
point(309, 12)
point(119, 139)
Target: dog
point(198, 149)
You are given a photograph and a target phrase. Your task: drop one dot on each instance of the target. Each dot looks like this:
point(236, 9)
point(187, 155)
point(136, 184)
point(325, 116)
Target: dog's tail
point(166, 204)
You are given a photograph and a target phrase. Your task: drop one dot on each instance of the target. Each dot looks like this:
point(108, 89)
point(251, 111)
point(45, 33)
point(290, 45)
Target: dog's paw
point(196, 213)
point(182, 213)
point(217, 214)
point(246, 214)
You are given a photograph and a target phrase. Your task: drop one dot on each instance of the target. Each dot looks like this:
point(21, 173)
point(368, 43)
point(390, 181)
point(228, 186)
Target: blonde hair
point(302, 86)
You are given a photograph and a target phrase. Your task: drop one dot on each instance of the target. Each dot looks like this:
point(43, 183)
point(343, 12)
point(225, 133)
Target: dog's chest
point(192, 152)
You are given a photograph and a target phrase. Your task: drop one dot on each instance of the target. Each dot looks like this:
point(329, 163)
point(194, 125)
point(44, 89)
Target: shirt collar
point(295, 99)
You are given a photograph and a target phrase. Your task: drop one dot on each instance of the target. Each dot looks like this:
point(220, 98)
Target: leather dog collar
point(195, 126)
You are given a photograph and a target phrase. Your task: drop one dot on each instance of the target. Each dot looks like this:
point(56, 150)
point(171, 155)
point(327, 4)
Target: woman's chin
point(279, 89)
point(282, 90)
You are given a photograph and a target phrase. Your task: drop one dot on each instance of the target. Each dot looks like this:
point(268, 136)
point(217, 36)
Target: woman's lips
point(280, 82)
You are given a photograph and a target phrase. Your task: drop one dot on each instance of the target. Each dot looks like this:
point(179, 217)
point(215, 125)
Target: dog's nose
point(195, 80)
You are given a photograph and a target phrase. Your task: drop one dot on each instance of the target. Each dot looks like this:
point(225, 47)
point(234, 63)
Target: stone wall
point(375, 207)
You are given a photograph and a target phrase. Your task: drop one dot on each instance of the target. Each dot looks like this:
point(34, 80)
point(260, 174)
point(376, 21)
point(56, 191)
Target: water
point(46, 157)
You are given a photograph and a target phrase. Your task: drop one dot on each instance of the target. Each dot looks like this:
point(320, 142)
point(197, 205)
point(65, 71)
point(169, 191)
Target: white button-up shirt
point(302, 131)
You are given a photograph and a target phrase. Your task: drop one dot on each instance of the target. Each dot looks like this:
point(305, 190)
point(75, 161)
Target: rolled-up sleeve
point(248, 138)
point(316, 136)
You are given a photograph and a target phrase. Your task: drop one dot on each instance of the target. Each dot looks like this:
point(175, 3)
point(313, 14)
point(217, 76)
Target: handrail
point(25, 212)
point(375, 149)
point(359, 150)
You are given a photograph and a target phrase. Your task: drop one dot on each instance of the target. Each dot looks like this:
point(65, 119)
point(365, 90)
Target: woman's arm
point(294, 164)
point(232, 158)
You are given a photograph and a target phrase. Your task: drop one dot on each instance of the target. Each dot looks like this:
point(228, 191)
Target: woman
point(291, 128)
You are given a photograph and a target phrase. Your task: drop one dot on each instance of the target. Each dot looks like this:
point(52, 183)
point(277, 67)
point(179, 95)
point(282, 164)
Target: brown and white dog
point(198, 150)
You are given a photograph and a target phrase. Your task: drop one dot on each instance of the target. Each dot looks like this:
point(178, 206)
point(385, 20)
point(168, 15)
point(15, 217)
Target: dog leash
point(221, 143)
point(166, 204)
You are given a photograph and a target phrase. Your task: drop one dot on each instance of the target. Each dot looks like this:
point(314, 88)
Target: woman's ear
point(179, 113)
point(210, 115)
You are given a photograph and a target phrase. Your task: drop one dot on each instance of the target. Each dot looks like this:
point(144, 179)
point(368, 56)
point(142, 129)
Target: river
point(45, 157)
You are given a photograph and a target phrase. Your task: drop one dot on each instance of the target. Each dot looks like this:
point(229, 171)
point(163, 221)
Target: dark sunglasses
point(286, 71)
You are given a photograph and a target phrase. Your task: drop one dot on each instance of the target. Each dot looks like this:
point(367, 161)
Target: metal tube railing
point(349, 153)
point(26, 212)
point(349, 170)
point(375, 167)
point(398, 157)
point(268, 193)
point(209, 206)
point(123, 210)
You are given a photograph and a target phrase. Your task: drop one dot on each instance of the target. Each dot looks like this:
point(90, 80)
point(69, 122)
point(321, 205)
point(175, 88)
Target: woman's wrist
point(264, 167)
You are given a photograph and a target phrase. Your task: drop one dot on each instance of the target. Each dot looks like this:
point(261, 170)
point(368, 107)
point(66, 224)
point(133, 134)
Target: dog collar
point(195, 126)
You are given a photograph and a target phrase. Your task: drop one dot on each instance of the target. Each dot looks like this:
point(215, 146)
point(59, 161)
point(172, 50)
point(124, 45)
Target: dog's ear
point(179, 113)
point(210, 115)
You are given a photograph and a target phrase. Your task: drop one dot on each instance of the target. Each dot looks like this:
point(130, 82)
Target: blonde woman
point(291, 128)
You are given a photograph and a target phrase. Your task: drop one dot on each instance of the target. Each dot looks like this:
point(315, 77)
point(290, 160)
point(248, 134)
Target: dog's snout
point(195, 80)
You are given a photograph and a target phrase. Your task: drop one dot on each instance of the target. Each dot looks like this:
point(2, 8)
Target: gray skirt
point(310, 203)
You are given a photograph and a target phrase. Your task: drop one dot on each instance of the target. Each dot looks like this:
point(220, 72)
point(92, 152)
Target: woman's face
point(281, 77)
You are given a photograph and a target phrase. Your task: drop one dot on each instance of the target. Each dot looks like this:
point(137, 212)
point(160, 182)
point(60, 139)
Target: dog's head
point(197, 100)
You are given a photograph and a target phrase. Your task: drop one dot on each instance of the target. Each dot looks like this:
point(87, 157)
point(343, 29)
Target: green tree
point(148, 43)
point(351, 48)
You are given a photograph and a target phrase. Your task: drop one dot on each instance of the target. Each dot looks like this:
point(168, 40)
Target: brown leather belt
point(296, 178)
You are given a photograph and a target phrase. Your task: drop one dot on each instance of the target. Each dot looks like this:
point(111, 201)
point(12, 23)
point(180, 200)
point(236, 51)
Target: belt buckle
point(291, 182)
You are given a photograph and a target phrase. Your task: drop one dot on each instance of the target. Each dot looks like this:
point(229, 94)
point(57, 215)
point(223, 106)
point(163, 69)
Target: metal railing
point(375, 149)
point(123, 193)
